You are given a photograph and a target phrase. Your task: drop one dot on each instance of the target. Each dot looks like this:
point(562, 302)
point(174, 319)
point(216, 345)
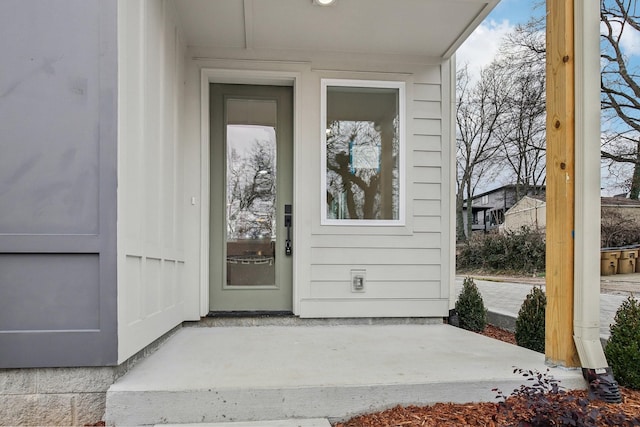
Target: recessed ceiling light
point(323, 2)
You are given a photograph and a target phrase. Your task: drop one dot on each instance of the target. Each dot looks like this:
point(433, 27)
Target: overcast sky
point(481, 47)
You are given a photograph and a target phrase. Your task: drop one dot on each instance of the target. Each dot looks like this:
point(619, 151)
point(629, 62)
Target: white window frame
point(324, 84)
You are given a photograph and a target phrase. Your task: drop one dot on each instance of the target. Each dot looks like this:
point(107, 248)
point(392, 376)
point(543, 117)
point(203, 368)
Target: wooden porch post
point(560, 194)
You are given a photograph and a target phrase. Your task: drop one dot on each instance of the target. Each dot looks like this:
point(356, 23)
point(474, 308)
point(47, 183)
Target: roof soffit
point(427, 28)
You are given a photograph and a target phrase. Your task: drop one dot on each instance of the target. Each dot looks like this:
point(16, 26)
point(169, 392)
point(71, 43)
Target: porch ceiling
point(431, 28)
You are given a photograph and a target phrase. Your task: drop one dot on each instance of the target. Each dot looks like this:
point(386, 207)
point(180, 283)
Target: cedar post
point(560, 194)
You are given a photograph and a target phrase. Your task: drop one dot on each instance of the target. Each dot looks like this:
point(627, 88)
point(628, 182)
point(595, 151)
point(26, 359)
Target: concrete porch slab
point(226, 374)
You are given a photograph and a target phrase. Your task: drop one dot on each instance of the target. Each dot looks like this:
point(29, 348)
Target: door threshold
point(249, 313)
point(286, 318)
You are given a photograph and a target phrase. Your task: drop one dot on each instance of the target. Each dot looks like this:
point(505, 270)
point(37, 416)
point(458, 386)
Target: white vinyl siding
point(407, 266)
point(404, 264)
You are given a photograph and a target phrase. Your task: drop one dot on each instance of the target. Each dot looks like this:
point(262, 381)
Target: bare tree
point(479, 109)
point(251, 190)
point(356, 191)
point(522, 135)
point(620, 89)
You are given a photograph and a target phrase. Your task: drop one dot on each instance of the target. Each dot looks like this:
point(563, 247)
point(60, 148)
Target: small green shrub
point(470, 307)
point(530, 321)
point(623, 349)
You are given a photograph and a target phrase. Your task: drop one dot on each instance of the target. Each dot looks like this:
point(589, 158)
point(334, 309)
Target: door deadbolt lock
point(288, 249)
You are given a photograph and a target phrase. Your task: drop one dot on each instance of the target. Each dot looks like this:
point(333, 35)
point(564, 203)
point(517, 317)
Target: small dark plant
point(470, 307)
point(544, 402)
point(530, 321)
point(623, 348)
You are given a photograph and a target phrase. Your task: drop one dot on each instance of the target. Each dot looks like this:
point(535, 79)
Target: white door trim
point(231, 76)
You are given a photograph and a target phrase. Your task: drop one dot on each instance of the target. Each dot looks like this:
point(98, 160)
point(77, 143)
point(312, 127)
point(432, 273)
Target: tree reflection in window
point(251, 186)
point(362, 150)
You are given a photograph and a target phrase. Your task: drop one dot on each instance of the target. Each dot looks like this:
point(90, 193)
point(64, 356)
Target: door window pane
point(362, 153)
point(251, 192)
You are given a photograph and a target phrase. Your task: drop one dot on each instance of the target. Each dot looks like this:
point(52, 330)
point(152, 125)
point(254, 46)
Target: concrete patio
point(259, 373)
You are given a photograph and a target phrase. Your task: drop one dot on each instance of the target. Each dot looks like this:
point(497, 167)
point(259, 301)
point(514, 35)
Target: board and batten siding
point(58, 94)
point(150, 175)
point(406, 274)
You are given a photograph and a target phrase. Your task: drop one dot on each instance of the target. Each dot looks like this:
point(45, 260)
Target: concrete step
point(230, 374)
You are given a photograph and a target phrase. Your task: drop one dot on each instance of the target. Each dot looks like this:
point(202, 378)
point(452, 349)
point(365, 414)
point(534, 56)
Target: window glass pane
point(362, 149)
point(251, 191)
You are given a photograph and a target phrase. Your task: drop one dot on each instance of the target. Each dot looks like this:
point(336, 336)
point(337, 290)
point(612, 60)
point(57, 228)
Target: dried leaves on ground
point(513, 412)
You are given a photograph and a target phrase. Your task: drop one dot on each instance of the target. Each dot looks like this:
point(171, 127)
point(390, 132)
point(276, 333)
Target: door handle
point(288, 249)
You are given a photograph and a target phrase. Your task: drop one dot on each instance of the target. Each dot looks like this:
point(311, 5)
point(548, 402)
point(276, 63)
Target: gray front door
point(251, 194)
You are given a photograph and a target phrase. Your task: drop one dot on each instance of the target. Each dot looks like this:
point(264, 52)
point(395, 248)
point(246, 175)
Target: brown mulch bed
point(483, 414)
point(499, 334)
point(493, 414)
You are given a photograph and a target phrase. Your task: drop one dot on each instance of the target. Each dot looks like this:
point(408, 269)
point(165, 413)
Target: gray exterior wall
point(58, 134)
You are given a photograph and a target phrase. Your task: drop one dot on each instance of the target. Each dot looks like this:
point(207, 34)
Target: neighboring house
point(530, 212)
point(488, 208)
point(163, 159)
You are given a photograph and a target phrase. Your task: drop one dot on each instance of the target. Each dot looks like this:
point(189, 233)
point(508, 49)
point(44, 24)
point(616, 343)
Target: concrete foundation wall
point(54, 396)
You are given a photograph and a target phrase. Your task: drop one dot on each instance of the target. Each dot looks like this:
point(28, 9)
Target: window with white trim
point(362, 152)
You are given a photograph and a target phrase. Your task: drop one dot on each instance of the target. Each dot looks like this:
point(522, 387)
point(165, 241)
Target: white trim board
point(402, 126)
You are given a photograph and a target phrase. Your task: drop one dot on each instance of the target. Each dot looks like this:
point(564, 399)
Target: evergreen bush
point(470, 307)
point(530, 321)
point(623, 349)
